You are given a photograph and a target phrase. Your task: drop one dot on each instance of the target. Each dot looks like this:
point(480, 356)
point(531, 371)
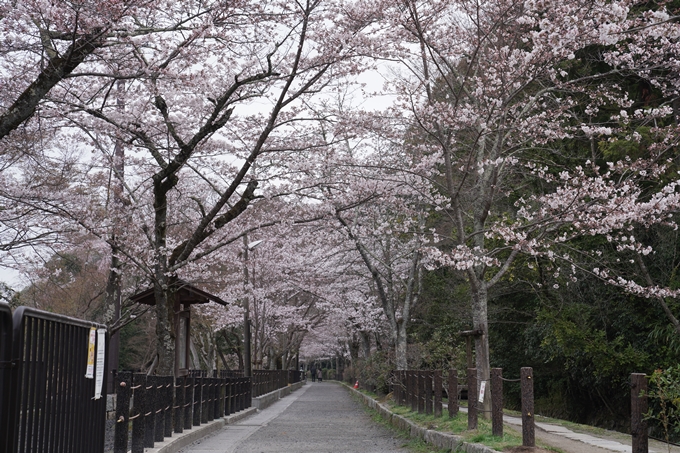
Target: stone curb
point(438, 439)
point(178, 441)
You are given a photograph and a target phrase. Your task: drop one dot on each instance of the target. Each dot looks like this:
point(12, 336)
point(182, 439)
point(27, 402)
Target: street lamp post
point(247, 364)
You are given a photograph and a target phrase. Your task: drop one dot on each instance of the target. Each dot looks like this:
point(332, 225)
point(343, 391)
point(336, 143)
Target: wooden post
point(638, 407)
point(428, 392)
point(469, 335)
point(452, 391)
point(528, 426)
point(472, 398)
point(421, 391)
point(497, 401)
point(123, 386)
point(437, 393)
point(413, 391)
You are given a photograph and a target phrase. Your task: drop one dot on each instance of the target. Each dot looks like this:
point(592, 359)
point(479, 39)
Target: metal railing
point(53, 376)
point(265, 381)
point(161, 405)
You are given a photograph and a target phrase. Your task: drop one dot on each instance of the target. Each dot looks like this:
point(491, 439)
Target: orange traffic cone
point(356, 385)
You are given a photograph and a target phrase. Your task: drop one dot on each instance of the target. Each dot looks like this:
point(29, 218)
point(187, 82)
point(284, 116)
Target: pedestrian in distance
point(319, 375)
point(313, 373)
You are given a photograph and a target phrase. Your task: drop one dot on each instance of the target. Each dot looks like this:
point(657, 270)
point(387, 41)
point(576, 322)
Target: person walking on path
point(313, 373)
point(319, 374)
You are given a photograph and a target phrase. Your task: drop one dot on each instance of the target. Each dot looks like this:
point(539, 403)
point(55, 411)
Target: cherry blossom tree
point(484, 85)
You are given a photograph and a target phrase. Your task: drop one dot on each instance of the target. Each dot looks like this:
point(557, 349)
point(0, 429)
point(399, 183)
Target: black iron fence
point(265, 381)
point(52, 383)
point(151, 408)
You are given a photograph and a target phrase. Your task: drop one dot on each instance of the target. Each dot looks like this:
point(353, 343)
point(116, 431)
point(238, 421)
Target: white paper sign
point(89, 371)
point(482, 388)
point(101, 353)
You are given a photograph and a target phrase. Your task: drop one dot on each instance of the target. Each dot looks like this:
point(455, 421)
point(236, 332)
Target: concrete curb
point(178, 441)
point(438, 439)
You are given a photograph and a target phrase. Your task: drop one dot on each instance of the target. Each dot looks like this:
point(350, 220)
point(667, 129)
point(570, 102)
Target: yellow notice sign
point(89, 373)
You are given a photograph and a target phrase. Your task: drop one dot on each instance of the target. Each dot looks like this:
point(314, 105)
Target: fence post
point(210, 410)
point(188, 402)
point(421, 391)
point(139, 407)
point(472, 398)
point(149, 412)
point(428, 392)
point(179, 404)
point(452, 392)
point(205, 395)
point(528, 428)
point(197, 381)
point(169, 403)
point(413, 390)
point(638, 407)
point(227, 397)
point(249, 392)
point(123, 386)
point(497, 401)
point(158, 407)
point(220, 398)
point(437, 393)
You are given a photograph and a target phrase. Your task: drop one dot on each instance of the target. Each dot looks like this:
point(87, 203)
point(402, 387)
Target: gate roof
point(187, 293)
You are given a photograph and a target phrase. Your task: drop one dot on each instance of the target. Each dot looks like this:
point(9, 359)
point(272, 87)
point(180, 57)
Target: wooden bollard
point(497, 401)
point(428, 392)
point(528, 425)
point(437, 393)
point(472, 398)
point(452, 391)
point(413, 390)
point(638, 407)
point(421, 392)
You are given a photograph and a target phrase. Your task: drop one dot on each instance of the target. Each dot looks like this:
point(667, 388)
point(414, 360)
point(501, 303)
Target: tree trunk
point(400, 348)
point(480, 322)
point(164, 293)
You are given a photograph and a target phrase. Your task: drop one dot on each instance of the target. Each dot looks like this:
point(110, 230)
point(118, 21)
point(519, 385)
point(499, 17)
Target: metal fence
point(53, 381)
point(151, 408)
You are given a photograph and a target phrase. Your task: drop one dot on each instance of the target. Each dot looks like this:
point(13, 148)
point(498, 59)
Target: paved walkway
point(320, 417)
point(571, 441)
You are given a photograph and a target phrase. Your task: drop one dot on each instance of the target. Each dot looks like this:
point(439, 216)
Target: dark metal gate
point(51, 369)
